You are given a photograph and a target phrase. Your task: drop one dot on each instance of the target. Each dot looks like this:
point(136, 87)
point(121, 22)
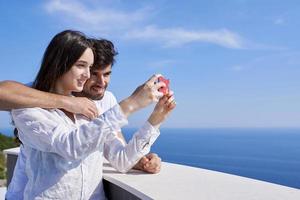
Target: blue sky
point(232, 63)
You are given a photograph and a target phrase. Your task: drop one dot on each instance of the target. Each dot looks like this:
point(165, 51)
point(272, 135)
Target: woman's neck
point(60, 90)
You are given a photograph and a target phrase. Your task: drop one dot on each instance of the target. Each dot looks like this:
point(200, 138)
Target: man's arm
point(151, 163)
point(14, 95)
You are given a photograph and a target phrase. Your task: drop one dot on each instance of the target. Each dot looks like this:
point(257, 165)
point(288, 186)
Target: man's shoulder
point(108, 97)
point(109, 94)
point(107, 102)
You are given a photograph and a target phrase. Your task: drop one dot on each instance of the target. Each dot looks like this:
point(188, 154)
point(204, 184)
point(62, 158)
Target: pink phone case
point(164, 90)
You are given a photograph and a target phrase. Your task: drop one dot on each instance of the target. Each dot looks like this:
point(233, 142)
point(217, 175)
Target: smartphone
point(164, 90)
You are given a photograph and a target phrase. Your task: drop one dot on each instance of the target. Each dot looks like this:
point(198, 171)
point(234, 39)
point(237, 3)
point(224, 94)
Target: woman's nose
point(87, 74)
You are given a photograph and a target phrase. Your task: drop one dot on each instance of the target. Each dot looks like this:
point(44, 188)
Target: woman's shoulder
point(35, 112)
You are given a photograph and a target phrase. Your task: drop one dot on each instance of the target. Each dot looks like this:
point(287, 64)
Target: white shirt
point(73, 159)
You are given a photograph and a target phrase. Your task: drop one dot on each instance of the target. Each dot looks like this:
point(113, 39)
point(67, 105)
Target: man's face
point(96, 85)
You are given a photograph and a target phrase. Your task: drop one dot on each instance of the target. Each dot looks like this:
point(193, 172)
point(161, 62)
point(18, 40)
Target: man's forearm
point(15, 95)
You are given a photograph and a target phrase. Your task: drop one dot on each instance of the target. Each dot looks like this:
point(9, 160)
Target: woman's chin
point(78, 89)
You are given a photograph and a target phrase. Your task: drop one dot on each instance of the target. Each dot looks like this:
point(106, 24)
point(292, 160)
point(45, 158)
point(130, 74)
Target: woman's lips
point(81, 82)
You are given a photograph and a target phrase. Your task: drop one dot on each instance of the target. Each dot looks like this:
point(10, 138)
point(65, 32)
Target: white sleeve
point(123, 157)
point(38, 131)
point(19, 180)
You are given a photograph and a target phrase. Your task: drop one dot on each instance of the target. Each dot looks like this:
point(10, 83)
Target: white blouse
point(63, 159)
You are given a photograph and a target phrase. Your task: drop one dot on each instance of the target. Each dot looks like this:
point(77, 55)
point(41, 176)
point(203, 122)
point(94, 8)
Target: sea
point(271, 155)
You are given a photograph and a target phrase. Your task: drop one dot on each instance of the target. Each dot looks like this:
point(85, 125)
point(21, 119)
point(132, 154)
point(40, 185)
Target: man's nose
point(100, 80)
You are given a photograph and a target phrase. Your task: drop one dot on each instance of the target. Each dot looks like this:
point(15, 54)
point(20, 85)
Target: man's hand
point(143, 95)
point(150, 163)
point(162, 109)
point(80, 105)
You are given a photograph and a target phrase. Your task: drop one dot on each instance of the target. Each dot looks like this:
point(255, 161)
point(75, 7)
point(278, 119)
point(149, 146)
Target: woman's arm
point(143, 96)
point(124, 156)
point(39, 129)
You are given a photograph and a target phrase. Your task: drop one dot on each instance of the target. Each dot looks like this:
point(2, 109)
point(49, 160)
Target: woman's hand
point(162, 109)
point(143, 95)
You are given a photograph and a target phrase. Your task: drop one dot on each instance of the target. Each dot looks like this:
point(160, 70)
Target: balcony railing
point(181, 182)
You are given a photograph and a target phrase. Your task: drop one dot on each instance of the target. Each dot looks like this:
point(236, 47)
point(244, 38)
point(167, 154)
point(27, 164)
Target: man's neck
point(78, 94)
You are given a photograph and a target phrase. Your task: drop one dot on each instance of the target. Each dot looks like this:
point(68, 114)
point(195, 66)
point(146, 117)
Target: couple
point(62, 153)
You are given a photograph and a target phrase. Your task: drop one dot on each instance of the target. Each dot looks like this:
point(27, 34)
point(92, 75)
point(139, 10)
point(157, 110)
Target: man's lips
point(98, 88)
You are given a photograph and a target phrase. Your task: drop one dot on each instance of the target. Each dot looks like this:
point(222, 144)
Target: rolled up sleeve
point(124, 156)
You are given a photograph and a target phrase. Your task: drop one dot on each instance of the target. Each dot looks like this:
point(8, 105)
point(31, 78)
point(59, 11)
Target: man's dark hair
point(104, 53)
point(61, 54)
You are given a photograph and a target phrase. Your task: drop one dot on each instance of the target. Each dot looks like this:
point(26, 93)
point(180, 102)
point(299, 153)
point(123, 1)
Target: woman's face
point(74, 79)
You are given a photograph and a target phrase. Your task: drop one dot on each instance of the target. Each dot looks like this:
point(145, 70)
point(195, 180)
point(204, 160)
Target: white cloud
point(277, 60)
point(95, 19)
point(238, 68)
point(116, 23)
point(161, 63)
point(171, 37)
point(279, 21)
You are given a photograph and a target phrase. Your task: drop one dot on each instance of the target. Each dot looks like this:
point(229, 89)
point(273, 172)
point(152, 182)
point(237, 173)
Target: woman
point(58, 149)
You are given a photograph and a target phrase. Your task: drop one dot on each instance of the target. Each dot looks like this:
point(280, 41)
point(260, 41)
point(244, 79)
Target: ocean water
point(271, 155)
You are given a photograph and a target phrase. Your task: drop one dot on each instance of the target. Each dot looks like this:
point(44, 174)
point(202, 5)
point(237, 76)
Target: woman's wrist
point(154, 121)
point(128, 106)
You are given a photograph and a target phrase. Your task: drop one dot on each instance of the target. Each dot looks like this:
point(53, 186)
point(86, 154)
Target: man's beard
point(89, 95)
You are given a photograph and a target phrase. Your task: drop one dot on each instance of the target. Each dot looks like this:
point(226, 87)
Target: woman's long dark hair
point(61, 54)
